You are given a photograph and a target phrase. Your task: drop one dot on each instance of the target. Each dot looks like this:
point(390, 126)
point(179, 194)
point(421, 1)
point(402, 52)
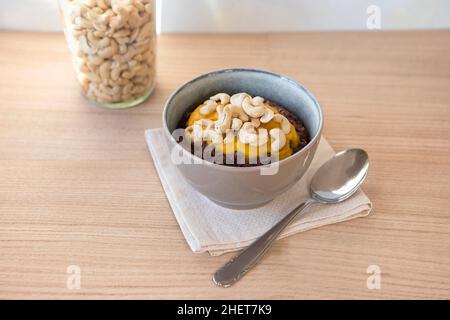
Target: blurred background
point(251, 15)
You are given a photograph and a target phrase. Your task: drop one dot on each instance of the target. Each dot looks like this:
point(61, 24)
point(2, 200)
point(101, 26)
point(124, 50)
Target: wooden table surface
point(78, 186)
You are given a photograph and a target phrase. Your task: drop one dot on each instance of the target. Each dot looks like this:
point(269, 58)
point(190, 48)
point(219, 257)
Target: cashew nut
point(278, 140)
point(238, 112)
point(134, 34)
point(129, 55)
point(208, 107)
point(204, 123)
point(93, 40)
point(102, 43)
point(106, 52)
point(263, 137)
point(256, 122)
point(135, 20)
point(81, 23)
point(267, 116)
point(252, 110)
point(105, 70)
point(101, 4)
point(116, 70)
point(100, 22)
point(219, 110)
point(202, 129)
point(257, 100)
point(140, 6)
point(84, 46)
point(94, 60)
point(196, 132)
point(145, 31)
point(236, 99)
point(236, 124)
point(214, 136)
point(284, 123)
point(223, 97)
point(121, 33)
point(224, 121)
point(247, 134)
point(229, 138)
point(122, 41)
point(123, 49)
point(116, 22)
point(189, 133)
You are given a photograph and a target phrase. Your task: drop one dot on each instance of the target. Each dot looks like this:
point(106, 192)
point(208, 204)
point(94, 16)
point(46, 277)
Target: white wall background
point(299, 15)
point(251, 15)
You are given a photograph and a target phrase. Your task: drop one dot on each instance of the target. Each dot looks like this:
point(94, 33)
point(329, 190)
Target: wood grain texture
point(77, 184)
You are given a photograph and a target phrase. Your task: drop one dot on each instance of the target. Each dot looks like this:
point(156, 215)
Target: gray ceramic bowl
point(244, 187)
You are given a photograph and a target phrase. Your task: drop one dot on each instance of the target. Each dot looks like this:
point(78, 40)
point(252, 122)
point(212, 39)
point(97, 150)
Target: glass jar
point(113, 45)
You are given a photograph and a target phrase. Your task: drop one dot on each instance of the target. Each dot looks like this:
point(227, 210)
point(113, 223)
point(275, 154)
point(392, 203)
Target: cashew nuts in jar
point(113, 46)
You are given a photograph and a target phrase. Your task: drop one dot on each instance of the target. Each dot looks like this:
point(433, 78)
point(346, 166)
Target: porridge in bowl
point(242, 181)
point(241, 130)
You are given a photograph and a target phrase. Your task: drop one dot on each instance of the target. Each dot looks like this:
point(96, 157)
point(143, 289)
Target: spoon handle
point(238, 266)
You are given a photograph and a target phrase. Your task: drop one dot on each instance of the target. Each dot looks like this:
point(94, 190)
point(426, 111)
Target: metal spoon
point(336, 180)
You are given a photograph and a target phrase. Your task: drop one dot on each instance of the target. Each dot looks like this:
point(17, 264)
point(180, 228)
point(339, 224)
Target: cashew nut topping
point(213, 135)
point(252, 110)
point(219, 110)
point(278, 140)
point(257, 100)
point(209, 106)
point(238, 112)
point(229, 138)
point(256, 122)
point(284, 123)
point(236, 99)
point(242, 120)
point(189, 132)
point(223, 97)
point(201, 130)
point(113, 47)
point(247, 134)
point(195, 133)
point(204, 123)
point(267, 116)
point(224, 121)
point(236, 124)
point(263, 137)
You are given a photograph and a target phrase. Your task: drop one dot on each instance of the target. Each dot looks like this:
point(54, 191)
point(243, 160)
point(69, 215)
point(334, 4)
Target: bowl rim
point(201, 161)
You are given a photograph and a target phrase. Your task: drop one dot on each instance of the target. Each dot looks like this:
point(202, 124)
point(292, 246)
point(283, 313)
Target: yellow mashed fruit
point(292, 138)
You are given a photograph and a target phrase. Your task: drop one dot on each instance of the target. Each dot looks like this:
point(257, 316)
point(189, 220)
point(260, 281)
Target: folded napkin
point(209, 227)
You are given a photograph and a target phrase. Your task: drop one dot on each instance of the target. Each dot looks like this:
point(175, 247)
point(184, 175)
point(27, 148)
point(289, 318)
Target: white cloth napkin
point(209, 227)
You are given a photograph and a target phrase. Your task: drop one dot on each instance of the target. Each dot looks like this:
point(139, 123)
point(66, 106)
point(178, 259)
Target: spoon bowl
point(335, 181)
point(340, 177)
